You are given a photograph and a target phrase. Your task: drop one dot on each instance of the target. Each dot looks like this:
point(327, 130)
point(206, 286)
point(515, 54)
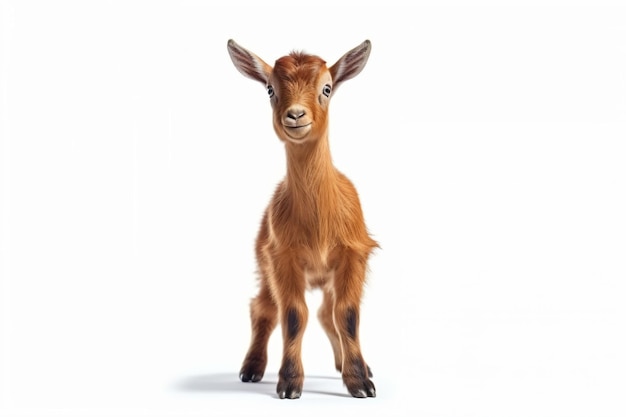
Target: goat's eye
point(326, 91)
point(270, 91)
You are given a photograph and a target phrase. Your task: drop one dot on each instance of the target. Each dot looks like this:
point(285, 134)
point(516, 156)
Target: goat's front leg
point(293, 314)
point(348, 286)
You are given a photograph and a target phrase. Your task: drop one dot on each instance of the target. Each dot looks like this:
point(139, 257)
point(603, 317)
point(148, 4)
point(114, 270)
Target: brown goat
point(312, 234)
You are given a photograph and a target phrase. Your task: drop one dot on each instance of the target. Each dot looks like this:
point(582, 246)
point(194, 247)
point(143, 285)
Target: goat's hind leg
point(325, 316)
point(264, 317)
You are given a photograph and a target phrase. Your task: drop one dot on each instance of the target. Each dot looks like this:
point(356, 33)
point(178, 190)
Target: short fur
point(313, 234)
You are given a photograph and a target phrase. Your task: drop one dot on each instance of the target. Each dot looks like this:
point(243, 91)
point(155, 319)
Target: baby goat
point(312, 234)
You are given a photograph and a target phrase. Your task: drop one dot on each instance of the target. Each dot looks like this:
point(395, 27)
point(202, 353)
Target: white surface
point(488, 146)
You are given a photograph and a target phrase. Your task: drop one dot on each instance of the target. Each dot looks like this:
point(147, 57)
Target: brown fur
point(312, 234)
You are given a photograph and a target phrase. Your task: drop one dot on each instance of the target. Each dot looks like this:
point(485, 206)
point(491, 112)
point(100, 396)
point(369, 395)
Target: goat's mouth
point(297, 132)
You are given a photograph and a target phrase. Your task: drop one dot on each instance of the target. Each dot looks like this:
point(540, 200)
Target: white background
point(488, 147)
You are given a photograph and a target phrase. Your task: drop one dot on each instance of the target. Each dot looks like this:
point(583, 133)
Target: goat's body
point(312, 234)
point(317, 224)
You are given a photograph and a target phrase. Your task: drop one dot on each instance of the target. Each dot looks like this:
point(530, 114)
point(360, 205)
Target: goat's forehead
point(299, 66)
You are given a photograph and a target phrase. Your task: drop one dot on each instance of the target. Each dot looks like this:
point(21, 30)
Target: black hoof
point(363, 389)
point(288, 389)
point(246, 377)
point(252, 372)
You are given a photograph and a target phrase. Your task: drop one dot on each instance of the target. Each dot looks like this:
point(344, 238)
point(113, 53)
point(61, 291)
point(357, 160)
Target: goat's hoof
point(251, 372)
point(361, 388)
point(250, 377)
point(291, 389)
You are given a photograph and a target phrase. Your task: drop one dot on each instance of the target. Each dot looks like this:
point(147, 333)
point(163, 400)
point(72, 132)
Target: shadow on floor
point(224, 383)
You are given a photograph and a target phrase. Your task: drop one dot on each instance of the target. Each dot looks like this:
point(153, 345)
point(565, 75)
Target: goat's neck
point(311, 176)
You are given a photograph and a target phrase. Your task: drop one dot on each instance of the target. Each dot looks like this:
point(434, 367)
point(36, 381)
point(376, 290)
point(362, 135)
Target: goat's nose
point(295, 113)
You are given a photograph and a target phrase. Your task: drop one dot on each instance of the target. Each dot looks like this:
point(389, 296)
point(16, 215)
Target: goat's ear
point(248, 63)
point(351, 64)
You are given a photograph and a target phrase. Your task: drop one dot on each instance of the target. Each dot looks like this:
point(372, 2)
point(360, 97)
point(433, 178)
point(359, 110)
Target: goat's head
point(299, 87)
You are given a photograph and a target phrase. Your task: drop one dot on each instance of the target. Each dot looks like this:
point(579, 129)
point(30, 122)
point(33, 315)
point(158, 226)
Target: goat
point(313, 234)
